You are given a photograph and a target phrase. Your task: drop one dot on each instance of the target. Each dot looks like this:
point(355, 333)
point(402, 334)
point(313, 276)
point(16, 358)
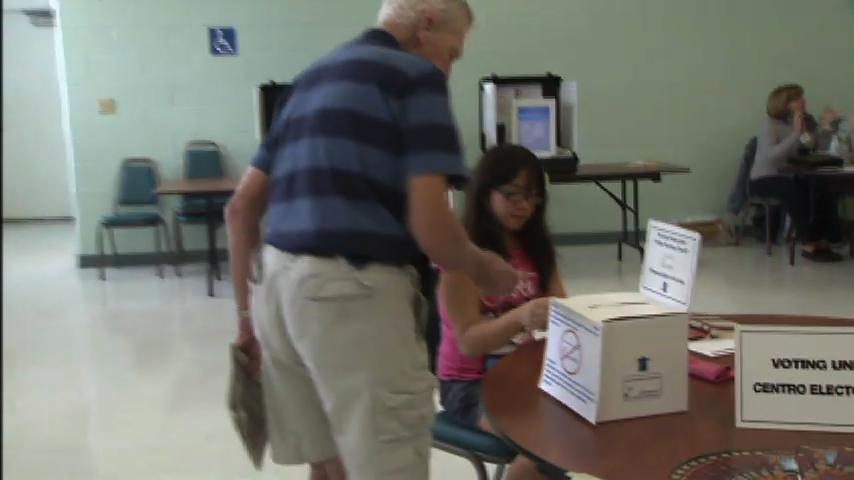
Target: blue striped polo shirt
point(359, 123)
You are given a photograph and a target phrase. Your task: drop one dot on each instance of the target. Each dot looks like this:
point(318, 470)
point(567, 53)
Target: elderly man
point(352, 177)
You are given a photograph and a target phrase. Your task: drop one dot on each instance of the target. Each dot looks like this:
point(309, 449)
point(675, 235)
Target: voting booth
point(269, 99)
point(536, 112)
point(624, 355)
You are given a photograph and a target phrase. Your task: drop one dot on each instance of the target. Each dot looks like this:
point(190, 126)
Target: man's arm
point(243, 216)
point(435, 227)
point(432, 155)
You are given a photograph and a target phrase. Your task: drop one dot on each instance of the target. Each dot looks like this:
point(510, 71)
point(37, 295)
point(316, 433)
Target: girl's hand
point(536, 314)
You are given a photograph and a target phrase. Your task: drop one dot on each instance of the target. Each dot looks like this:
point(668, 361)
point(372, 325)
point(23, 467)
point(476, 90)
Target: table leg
point(625, 209)
point(625, 231)
point(211, 227)
point(636, 211)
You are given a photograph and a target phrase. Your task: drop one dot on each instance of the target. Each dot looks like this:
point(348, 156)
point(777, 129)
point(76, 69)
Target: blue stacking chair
point(478, 447)
point(136, 205)
point(202, 159)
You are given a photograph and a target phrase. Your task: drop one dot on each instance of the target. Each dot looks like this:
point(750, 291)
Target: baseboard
point(39, 220)
point(201, 256)
point(144, 259)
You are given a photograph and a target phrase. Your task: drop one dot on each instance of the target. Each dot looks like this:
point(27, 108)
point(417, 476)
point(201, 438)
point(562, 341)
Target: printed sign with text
point(795, 378)
point(670, 264)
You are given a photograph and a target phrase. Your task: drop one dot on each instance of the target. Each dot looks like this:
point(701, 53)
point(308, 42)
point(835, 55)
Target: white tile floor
point(125, 379)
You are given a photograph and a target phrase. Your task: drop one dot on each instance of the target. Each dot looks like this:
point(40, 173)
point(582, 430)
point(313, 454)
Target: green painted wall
point(675, 80)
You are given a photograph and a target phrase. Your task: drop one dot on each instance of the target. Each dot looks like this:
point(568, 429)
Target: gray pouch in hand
point(246, 406)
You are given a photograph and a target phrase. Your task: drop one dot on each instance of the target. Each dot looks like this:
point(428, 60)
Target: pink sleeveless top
point(453, 365)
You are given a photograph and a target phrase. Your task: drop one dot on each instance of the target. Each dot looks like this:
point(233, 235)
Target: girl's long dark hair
point(498, 167)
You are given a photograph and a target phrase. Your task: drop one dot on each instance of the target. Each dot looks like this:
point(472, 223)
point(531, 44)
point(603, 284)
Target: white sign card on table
point(670, 264)
point(623, 355)
point(795, 378)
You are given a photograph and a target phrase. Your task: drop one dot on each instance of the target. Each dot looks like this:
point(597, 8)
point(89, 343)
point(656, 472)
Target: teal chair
point(136, 206)
point(202, 159)
point(476, 446)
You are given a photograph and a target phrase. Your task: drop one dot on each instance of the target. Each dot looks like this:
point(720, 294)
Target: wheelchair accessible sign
point(222, 41)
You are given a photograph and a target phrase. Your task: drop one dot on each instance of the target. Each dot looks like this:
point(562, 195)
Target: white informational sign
point(534, 126)
point(489, 103)
point(573, 361)
point(670, 264)
point(569, 116)
point(795, 378)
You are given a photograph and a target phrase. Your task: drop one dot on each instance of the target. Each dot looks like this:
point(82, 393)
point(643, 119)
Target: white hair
point(407, 12)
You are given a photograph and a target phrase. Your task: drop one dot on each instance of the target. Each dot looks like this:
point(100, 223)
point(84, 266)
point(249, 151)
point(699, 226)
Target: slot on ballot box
point(617, 356)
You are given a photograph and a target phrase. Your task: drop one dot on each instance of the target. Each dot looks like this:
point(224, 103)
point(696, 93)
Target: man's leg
point(298, 428)
point(360, 337)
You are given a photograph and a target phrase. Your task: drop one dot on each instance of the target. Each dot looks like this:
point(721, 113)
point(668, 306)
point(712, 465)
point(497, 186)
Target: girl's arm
point(475, 334)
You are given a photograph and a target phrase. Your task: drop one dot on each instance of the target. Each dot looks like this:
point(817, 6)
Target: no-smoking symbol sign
point(570, 352)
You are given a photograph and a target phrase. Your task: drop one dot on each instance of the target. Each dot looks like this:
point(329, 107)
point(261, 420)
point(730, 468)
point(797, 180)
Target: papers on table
point(717, 347)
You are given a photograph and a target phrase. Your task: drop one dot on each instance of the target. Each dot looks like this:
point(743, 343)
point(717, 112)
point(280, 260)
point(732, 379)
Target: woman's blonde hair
point(780, 98)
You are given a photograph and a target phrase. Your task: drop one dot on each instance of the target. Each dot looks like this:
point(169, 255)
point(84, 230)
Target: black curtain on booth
point(274, 96)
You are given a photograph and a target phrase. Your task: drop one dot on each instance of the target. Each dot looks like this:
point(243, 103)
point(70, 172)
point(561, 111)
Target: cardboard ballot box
point(624, 355)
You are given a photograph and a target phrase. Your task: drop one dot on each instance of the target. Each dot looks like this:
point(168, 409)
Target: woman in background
point(791, 131)
point(505, 213)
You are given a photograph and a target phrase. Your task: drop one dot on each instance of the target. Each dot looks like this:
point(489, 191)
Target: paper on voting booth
point(623, 355)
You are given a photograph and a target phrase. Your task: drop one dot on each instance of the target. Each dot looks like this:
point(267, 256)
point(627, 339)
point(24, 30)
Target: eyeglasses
point(515, 196)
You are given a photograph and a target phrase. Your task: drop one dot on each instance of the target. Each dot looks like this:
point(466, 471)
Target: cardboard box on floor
point(624, 355)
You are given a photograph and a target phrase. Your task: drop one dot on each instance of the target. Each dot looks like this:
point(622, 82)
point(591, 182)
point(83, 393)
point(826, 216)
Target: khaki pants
point(344, 367)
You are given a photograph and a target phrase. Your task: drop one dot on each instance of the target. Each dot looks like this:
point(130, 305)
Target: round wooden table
point(549, 433)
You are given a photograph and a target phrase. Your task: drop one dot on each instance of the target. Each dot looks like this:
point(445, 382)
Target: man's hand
point(493, 275)
point(247, 342)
